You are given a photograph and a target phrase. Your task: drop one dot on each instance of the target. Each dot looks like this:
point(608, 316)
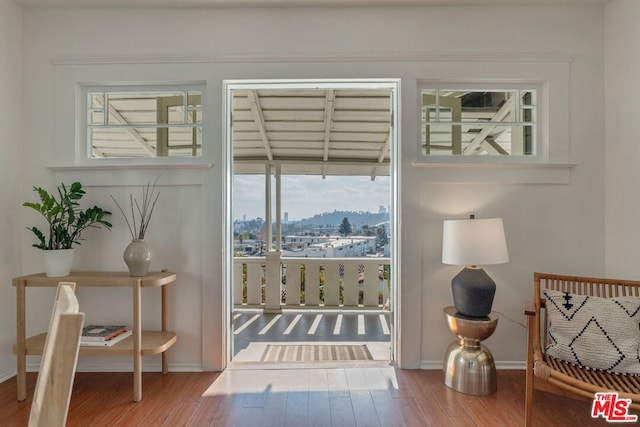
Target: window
point(140, 122)
point(486, 121)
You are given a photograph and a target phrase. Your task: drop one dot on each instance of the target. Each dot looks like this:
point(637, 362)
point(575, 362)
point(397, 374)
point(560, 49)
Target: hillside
point(356, 219)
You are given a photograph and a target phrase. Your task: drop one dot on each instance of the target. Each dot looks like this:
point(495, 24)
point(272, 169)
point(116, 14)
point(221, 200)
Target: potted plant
point(65, 221)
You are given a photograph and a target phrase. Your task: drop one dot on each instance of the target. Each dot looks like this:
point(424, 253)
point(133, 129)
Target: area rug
point(315, 353)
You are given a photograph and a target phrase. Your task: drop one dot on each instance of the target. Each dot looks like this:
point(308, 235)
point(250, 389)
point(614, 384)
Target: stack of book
point(103, 335)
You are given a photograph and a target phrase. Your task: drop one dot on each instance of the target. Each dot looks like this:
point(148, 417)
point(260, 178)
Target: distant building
point(248, 247)
point(318, 246)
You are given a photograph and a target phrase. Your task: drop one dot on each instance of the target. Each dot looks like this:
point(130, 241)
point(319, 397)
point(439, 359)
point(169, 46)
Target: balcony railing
point(273, 282)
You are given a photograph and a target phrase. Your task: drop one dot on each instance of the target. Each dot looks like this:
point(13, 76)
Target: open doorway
point(312, 270)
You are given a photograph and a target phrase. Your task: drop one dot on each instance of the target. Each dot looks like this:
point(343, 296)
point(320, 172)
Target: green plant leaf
point(65, 219)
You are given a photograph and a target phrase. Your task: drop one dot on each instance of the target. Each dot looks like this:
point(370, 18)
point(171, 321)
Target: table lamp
point(473, 242)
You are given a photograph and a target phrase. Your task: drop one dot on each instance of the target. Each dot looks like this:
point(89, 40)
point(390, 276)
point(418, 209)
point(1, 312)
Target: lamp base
point(473, 291)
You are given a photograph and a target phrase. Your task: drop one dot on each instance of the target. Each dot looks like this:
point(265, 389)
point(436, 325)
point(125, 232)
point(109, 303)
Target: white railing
point(273, 282)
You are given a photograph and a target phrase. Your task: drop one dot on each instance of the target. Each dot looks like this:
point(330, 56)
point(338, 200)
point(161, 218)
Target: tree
point(382, 238)
point(345, 227)
point(367, 231)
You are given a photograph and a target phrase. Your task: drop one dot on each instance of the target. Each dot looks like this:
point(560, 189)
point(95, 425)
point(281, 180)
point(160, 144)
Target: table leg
point(21, 357)
point(165, 361)
point(137, 342)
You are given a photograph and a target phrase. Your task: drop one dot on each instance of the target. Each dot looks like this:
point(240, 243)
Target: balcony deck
point(254, 330)
point(310, 301)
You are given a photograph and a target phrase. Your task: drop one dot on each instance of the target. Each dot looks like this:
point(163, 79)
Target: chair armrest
point(530, 309)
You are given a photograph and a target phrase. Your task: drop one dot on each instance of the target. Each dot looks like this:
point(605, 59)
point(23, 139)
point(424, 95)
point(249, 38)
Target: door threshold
point(336, 364)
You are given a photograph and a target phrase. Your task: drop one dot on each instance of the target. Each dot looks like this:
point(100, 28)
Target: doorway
point(297, 278)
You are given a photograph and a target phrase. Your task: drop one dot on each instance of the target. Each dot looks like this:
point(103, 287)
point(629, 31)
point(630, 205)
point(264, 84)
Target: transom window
point(459, 121)
point(143, 123)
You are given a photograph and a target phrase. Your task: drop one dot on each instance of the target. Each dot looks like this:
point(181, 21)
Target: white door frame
point(228, 87)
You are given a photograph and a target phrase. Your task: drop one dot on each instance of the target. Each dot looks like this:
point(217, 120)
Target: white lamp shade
point(474, 242)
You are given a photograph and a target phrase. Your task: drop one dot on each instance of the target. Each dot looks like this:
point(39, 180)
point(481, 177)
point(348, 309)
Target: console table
point(140, 343)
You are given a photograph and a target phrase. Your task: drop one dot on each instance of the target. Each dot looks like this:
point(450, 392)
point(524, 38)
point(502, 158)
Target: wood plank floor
point(365, 396)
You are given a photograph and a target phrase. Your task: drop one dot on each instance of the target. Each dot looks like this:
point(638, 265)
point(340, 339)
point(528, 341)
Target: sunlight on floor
point(260, 381)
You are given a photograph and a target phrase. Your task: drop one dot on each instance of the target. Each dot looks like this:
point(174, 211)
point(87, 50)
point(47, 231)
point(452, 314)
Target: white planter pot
point(57, 262)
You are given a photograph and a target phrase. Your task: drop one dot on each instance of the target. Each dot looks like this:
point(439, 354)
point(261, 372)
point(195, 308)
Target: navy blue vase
point(473, 291)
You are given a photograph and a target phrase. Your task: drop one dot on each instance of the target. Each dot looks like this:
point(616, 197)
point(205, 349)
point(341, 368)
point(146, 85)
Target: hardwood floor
point(366, 396)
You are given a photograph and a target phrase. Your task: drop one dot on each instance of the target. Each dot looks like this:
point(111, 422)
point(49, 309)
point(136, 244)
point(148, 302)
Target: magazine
point(101, 332)
point(109, 343)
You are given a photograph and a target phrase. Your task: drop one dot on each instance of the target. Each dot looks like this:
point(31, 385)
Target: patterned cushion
point(592, 332)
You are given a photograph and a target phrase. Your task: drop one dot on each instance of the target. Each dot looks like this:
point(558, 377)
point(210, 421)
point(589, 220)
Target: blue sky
point(306, 195)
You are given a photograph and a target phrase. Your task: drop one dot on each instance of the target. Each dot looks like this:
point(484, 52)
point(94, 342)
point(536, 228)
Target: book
point(109, 343)
point(101, 332)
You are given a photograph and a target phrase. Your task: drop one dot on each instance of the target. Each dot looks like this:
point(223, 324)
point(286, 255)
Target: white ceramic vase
point(57, 262)
point(138, 257)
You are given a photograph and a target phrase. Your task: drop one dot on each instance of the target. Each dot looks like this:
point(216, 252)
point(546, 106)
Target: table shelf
point(153, 342)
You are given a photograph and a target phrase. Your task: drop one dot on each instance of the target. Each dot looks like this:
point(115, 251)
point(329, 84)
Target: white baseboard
point(431, 364)
point(123, 367)
point(99, 367)
point(511, 365)
point(146, 367)
point(504, 365)
point(4, 376)
point(157, 367)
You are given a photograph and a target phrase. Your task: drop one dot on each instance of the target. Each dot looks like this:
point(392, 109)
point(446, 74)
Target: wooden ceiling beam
point(384, 150)
point(503, 112)
point(258, 117)
point(328, 120)
point(131, 131)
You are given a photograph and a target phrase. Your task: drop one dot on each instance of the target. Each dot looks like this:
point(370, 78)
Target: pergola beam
point(328, 120)
point(131, 131)
point(485, 132)
point(258, 116)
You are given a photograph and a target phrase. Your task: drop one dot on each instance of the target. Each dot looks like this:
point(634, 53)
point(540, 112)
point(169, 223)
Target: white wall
point(550, 227)
point(622, 68)
point(10, 173)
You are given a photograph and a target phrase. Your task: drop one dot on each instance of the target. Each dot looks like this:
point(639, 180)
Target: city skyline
point(304, 196)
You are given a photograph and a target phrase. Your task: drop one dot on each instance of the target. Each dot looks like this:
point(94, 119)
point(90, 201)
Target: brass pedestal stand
point(468, 365)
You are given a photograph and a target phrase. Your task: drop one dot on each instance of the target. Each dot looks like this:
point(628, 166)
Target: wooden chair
point(560, 375)
point(57, 369)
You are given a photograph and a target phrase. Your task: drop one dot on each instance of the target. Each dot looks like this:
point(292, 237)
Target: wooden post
point(530, 312)
point(21, 338)
point(165, 359)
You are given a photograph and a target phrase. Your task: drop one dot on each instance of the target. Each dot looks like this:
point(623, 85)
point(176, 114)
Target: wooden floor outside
point(253, 330)
point(376, 396)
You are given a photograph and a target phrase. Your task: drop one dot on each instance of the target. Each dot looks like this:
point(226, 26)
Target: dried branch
point(144, 210)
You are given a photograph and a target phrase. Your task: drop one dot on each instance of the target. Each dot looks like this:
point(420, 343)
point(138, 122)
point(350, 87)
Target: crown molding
point(276, 58)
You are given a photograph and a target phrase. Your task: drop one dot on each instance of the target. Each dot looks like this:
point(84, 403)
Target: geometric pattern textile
point(593, 332)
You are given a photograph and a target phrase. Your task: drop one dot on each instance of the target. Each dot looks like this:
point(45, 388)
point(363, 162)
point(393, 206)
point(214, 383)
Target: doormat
point(315, 353)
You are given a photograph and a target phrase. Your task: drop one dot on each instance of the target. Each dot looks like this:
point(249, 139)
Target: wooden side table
point(140, 343)
point(468, 365)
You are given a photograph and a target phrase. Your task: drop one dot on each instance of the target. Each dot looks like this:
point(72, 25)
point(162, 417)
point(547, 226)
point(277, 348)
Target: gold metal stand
point(468, 365)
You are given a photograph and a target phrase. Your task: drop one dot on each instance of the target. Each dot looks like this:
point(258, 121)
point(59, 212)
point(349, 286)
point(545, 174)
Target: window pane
point(117, 142)
point(479, 122)
point(144, 124)
point(479, 140)
point(96, 100)
point(176, 115)
point(96, 117)
point(439, 139)
point(183, 137)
